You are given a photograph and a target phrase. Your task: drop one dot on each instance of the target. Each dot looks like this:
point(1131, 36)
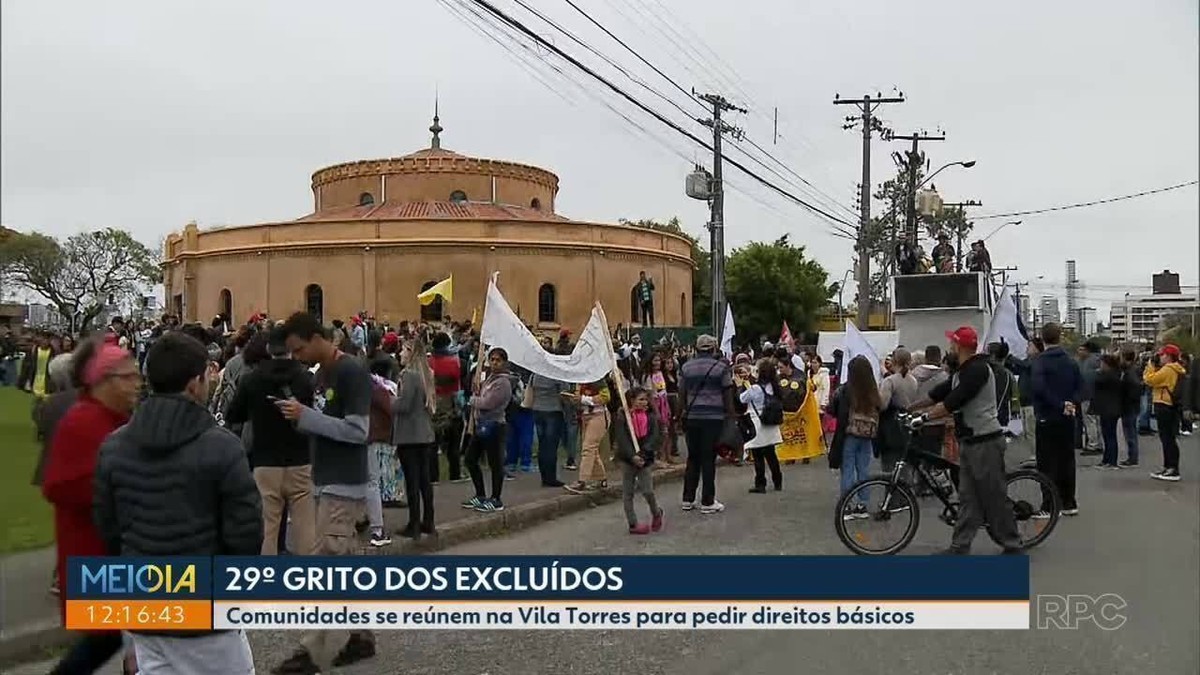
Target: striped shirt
point(703, 381)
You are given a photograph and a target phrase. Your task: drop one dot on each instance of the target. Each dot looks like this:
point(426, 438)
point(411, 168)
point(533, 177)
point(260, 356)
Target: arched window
point(365, 199)
point(458, 197)
point(432, 311)
point(635, 305)
point(226, 305)
point(535, 204)
point(314, 301)
point(547, 304)
point(683, 314)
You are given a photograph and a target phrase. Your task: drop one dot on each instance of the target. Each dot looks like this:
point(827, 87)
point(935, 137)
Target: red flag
point(785, 338)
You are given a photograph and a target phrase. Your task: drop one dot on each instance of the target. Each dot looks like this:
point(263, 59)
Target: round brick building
point(383, 230)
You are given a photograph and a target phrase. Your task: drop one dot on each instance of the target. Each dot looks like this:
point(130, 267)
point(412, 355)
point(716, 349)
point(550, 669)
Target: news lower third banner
point(548, 592)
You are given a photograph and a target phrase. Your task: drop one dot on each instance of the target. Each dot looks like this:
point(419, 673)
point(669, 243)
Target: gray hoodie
point(928, 377)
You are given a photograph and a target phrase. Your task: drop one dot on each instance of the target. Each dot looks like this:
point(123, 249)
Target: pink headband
point(102, 363)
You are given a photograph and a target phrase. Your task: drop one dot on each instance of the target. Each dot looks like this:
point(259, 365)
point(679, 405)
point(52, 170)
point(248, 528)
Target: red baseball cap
point(1170, 350)
point(964, 336)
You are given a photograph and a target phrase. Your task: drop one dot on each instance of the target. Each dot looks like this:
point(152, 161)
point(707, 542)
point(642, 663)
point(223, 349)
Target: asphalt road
point(1135, 537)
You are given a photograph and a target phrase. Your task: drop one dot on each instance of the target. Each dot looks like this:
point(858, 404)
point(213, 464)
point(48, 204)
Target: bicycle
point(933, 472)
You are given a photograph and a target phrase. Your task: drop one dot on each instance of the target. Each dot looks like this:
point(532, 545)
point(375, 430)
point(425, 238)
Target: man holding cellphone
point(336, 424)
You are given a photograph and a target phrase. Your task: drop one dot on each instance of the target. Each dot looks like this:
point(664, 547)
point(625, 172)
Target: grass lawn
point(26, 520)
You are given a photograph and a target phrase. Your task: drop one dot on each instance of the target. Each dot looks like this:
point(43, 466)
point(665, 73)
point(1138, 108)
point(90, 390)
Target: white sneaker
point(1070, 512)
point(715, 507)
point(1041, 515)
point(687, 506)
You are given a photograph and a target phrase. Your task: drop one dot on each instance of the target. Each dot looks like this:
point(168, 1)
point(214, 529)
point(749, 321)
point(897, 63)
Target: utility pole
point(914, 162)
point(866, 107)
point(960, 232)
point(716, 223)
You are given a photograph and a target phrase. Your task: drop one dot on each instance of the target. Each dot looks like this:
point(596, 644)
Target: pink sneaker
point(640, 528)
point(657, 524)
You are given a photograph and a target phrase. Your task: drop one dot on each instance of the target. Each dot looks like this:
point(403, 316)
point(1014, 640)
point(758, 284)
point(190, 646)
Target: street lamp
point(964, 164)
point(841, 288)
point(1011, 222)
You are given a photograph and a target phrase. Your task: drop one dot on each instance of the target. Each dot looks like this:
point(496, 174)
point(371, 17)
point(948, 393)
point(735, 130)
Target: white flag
point(590, 361)
point(727, 333)
point(857, 345)
point(1005, 326)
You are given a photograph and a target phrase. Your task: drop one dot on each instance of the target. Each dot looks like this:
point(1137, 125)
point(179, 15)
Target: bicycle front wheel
point(877, 517)
point(1035, 503)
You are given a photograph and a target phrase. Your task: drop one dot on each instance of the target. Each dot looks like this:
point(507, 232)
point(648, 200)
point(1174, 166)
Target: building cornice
point(452, 164)
point(508, 246)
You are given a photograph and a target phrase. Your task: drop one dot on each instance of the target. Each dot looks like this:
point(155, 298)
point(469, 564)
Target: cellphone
point(273, 399)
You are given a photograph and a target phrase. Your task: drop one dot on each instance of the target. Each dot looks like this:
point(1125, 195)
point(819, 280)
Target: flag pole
point(479, 359)
point(620, 380)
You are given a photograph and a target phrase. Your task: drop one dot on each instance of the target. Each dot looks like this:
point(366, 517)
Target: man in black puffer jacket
point(172, 482)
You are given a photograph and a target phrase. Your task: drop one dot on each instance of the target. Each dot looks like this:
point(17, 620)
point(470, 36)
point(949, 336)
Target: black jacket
point(172, 482)
point(1023, 369)
point(1131, 390)
point(648, 446)
point(1056, 379)
point(1108, 393)
point(274, 441)
point(1191, 389)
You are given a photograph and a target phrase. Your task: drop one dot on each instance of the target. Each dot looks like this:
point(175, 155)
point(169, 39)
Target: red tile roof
point(435, 211)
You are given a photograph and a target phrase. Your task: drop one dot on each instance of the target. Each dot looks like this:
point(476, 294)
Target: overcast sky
point(147, 114)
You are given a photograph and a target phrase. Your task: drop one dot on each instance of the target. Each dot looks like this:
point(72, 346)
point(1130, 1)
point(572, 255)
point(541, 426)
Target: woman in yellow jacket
point(1163, 383)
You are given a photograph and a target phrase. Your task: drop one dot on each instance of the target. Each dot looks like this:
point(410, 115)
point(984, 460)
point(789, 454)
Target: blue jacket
point(1056, 379)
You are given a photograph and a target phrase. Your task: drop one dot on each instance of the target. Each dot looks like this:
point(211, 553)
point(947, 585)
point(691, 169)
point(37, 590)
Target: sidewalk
point(29, 615)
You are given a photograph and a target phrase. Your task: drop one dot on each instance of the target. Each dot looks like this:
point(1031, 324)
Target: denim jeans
point(1108, 431)
point(1145, 420)
point(549, 426)
point(856, 460)
point(1129, 427)
point(520, 440)
point(570, 436)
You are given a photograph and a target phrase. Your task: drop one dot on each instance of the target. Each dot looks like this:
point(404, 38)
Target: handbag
point(485, 429)
point(745, 425)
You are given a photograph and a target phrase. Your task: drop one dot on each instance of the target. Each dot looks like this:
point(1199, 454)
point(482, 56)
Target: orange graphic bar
point(139, 615)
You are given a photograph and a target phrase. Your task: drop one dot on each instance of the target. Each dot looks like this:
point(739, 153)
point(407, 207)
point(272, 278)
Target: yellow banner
point(801, 431)
point(443, 288)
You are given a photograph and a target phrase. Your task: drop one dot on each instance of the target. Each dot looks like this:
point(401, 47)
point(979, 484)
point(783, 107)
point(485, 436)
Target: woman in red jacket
point(109, 382)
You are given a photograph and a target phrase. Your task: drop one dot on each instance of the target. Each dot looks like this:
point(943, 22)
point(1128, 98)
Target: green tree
point(82, 275)
point(769, 283)
point(701, 266)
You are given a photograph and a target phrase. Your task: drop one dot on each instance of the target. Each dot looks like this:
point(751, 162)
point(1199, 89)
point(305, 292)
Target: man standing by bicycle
point(970, 396)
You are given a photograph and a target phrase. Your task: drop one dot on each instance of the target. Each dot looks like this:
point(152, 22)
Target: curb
point(511, 519)
point(32, 643)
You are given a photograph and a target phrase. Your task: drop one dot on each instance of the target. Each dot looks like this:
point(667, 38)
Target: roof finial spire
point(436, 129)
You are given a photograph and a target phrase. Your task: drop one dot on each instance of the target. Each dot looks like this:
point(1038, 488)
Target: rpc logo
point(1068, 611)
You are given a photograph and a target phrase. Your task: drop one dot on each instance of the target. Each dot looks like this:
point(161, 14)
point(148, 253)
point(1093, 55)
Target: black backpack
point(772, 410)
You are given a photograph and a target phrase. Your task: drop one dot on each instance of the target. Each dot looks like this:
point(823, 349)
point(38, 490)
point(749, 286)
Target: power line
point(526, 56)
point(1091, 203)
point(521, 27)
point(605, 58)
point(818, 193)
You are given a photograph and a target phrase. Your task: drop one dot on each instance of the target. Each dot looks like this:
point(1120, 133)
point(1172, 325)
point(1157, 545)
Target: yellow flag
point(801, 431)
point(444, 288)
point(474, 316)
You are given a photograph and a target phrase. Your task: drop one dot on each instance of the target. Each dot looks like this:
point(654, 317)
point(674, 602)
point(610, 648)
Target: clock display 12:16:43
point(125, 614)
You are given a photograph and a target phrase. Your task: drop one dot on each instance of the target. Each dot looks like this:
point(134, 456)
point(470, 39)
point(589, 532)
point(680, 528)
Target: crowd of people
point(293, 436)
